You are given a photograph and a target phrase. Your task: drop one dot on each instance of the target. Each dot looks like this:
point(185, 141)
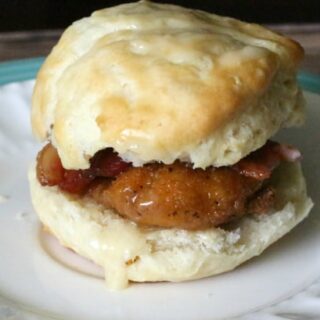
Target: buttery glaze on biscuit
point(131, 77)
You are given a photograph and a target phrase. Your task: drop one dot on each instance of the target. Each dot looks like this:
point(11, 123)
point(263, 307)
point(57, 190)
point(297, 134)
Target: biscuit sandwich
point(159, 163)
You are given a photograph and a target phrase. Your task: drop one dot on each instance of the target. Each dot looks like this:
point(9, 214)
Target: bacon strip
point(50, 171)
point(260, 163)
point(107, 164)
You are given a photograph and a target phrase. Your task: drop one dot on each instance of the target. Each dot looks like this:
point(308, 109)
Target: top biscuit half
point(160, 82)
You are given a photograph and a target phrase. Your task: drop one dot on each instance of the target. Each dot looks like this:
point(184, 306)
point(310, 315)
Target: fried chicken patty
point(178, 196)
point(173, 195)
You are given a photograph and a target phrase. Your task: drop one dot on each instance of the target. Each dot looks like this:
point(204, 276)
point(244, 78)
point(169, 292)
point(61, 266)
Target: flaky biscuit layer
point(160, 82)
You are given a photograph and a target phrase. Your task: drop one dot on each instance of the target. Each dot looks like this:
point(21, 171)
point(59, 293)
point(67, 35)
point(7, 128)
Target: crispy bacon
point(260, 163)
point(76, 181)
point(289, 153)
point(107, 163)
point(49, 167)
point(50, 171)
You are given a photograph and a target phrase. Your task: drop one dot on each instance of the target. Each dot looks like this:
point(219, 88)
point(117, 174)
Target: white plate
point(35, 284)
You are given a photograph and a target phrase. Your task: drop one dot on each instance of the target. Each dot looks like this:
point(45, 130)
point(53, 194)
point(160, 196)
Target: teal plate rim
point(26, 69)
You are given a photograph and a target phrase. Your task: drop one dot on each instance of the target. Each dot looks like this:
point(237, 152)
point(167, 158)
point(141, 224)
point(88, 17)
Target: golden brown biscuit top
point(161, 82)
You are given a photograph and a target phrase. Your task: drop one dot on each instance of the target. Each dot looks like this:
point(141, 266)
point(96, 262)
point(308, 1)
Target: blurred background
point(51, 14)
point(30, 28)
